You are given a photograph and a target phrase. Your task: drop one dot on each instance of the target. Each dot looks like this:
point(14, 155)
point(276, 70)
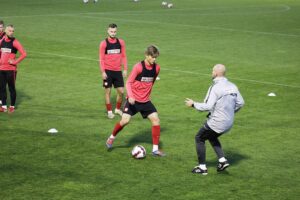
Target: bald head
point(219, 70)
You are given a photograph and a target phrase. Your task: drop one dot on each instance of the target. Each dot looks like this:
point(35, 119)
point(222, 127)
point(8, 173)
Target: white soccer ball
point(164, 3)
point(170, 5)
point(85, 1)
point(138, 152)
point(135, 0)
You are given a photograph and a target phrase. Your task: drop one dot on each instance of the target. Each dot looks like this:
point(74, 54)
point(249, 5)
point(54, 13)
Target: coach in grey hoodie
point(222, 101)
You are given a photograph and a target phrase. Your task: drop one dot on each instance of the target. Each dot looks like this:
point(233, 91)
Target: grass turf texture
point(59, 85)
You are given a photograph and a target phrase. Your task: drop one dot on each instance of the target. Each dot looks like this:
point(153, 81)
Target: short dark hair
point(112, 25)
point(152, 50)
point(2, 22)
point(10, 25)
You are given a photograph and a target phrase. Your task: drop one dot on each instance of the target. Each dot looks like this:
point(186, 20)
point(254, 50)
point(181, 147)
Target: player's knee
point(120, 91)
point(155, 121)
point(124, 122)
point(198, 139)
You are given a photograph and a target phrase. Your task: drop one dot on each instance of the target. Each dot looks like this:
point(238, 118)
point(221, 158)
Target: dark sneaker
point(109, 143)
point(158, 153)
point(198, 170)
point(222, 166)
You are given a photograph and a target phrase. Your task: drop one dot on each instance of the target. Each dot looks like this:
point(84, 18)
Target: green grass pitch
point(59, 86)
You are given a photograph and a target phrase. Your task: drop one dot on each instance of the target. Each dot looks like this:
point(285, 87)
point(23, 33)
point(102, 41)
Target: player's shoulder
point(16, 41)
point(121, 41)
point(138, 66)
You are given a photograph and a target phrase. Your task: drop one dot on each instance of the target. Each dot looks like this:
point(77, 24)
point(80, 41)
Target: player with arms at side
point(139, 86)
point(112, 55)
point(9, 46)
point(2, 33)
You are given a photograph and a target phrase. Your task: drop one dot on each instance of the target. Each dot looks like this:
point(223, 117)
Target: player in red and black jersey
point(112, 55)
point(139, 86)
point(9, 46)
point(2, 33)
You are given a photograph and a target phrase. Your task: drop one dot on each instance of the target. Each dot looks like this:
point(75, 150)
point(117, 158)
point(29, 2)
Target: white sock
point(223, 159)
point(109, 112)
point(4, 106)
point(12, 106)
point(203, 166)
point(112, 137)
point(154, 148)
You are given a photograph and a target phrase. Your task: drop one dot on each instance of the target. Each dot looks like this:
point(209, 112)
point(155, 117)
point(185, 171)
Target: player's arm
point(206, 106)
point(239, 102)
point(102, 48)
point(124, 58)
point(157, 72)
point(137, 69)
point(22, 52)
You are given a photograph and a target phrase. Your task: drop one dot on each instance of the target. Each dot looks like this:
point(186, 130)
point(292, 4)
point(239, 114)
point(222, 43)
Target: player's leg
point(216, 144)
point(118, 127)
point(153, 117)
point(129, 110)
point(120, 93)
point(5, 93)
point(3, 82)
point(200, 139)
point(118, 83)
point(11, 81)
point(107, 84)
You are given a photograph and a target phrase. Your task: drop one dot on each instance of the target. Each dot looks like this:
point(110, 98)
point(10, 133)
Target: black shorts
point(113, 78)
point(144, 108)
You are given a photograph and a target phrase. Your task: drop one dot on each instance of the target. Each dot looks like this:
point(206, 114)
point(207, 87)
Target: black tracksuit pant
point(8, 78)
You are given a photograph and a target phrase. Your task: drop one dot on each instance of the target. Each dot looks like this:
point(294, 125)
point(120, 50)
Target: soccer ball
point(138, 152)
point(170, 5)
point(135, 0)
point(164, 3)
point(85, 1)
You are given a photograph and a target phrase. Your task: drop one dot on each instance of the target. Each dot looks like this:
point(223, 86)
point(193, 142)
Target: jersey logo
point(5, 50)
point(114, 51)
point(147, 79)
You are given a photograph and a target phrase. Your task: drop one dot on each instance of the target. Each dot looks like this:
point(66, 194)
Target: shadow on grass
point(145, 136)
point(21, 96)
point(233, 157)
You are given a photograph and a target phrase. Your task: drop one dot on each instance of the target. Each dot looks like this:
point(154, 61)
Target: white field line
point(175, 70)
point(197, 26)
point(286, 8)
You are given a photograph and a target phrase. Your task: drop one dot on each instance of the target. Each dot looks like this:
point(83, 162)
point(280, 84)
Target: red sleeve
point(0, 48)
point(21, 50)
point(124, 57)
point(102, 48)
point(137, 69)
point(157, 69)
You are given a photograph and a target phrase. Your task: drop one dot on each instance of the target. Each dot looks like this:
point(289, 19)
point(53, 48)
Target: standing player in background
point(9, 46)
point(112, 55)
point(222, 101)
point(139, 86)
point(2, 33)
